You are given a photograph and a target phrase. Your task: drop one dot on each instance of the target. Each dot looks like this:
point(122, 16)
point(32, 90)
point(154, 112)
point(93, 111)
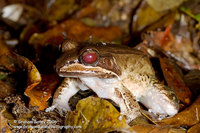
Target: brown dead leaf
point(162, 5)
point(28, 119)
point(5, 90)
point(59, 9)
point(4, 127)
point(165, 21)
point(145, 16)
point(40, 94)
point(139, 120)
point(76, 30)
point(17, 14)
point(194, 129)
point(192, 79)
point(149, 128)
point(5, 57)
point(174, 78)
point(108, 13)
point(177, 47)
point(188, 117)
point(19, 110)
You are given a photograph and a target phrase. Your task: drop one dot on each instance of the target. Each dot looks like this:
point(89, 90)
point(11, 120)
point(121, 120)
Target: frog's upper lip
point(80, 70)
point(81, 74)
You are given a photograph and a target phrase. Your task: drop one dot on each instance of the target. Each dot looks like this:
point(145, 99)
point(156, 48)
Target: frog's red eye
point(90, 57)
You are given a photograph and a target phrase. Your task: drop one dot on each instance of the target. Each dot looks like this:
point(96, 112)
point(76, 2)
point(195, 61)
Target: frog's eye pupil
point(90, 58)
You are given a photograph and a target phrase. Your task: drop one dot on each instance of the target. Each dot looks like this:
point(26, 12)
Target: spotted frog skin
point(119, 73)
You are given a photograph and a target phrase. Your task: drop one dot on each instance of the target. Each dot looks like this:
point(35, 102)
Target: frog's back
point(112, 48)
point(129, 60)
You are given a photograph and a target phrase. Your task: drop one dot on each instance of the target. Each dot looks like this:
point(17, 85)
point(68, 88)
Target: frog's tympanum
point(119, 73)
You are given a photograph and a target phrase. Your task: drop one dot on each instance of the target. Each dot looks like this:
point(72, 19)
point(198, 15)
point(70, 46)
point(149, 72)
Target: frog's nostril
point(109, 63)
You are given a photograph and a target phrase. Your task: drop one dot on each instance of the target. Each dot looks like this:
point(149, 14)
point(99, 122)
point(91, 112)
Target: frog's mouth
point(79, 70)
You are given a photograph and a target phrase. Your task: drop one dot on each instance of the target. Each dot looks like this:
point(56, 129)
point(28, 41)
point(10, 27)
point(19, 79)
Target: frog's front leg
point(111, 89)
point(64, 92)
point(129, 107)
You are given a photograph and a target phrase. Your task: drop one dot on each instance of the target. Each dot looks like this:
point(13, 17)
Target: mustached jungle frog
point(122, 74)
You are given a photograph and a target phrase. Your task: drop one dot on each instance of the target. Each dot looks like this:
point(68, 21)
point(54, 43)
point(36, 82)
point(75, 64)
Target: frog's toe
point(171, 110)
point(130, 115)
point(60, 104)
point(49, 109)
point(60, 108)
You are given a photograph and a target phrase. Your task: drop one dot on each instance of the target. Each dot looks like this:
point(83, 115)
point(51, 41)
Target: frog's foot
point(160, 100)
point(62, 95)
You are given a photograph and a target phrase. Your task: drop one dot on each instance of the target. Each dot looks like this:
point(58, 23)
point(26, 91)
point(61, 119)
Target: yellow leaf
point(94, 114)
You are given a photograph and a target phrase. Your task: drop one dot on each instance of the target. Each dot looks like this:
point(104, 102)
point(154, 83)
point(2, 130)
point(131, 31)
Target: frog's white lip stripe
point(79, 70)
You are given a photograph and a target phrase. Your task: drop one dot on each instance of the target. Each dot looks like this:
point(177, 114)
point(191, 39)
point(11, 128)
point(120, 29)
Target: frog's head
point(86, 60)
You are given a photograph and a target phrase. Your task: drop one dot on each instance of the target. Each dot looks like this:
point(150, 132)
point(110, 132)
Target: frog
point(122, 74)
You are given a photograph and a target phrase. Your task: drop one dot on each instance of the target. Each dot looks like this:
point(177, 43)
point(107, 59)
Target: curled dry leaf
point(174, 78)
point(76, 30)
point(14, 62)
point(188, 117)
point(94, 114)
point(40, 94)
